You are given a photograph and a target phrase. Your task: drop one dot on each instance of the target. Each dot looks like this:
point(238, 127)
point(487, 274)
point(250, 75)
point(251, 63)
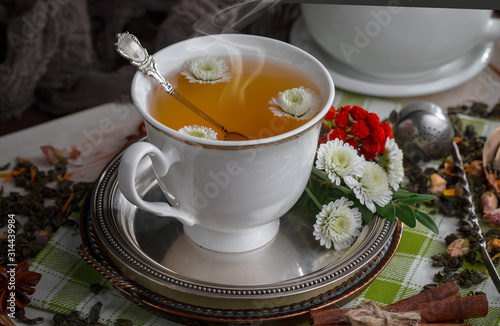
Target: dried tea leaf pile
point(449, 202)
point(49, 200)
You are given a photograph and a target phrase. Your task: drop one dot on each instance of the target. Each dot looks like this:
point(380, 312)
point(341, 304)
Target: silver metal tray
point(151, 260)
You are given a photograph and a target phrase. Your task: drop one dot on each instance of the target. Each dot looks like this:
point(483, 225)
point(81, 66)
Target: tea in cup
point(229, 195)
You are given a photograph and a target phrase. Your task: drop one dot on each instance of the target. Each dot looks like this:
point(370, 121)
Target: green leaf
point(415, 199)
point(321, 193)
point(388, 212)
point(401, 193)
point(366, 214)
point(426, 221)
point(406, 214)
point(410, 197)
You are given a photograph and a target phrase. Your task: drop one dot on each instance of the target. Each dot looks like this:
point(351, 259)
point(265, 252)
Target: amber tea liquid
point(241, 105)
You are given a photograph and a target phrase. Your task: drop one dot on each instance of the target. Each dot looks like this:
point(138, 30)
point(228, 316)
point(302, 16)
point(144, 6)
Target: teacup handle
point(127, 172)
point(492, 32)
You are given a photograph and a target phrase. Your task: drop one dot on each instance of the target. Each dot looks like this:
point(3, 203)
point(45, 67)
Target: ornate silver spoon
point(129, 47)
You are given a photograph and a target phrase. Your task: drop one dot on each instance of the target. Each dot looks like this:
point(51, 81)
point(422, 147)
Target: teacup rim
point(243, 143)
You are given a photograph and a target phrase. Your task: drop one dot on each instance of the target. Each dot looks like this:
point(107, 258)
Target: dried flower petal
point(492, 180)
point(476, 169)
point(56, 156)
point(493, 216)
point(492, 244)
point(489, 201)
point(458, 248)
point(438, 183)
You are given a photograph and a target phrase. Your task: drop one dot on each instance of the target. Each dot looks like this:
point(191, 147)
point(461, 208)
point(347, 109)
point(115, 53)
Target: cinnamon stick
point(446, 290)
point(441, 292)
point(446, 310)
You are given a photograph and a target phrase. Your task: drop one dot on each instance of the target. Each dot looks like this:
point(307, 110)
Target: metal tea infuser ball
point(423, 131)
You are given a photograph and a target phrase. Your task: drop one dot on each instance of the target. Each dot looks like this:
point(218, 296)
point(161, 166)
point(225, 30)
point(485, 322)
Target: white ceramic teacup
point(229, 195)
point(398, 42)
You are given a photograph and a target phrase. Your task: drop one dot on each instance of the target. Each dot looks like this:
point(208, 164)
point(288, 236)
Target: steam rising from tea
point(256, 97)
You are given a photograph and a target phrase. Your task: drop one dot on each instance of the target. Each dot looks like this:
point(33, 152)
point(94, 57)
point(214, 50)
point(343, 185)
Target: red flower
point(342, 119)
point(379, 134)
point(334, 134)
point(331, 114)
point(360, 129)
point(337, 134)
point(353, 142)
point(25, 281)
point(370, 147)
point(345, 108)
point(373, 120)
point(358, 113)
point(381, 149)
point(388, 130)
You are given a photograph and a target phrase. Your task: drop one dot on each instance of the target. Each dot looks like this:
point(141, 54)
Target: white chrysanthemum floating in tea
point(392, 162)
point(341, 161)
point(199, 131)
point(298, 103)
point(206, 70)
point(373, 187)
point(337, 224)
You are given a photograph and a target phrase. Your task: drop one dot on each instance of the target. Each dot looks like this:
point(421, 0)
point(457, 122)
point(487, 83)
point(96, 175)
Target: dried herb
point(20, 316)
point(469, 277)
point(56, 156)
point(4, 167)
point(73, 318)
point(449, 263)
point(43, 219)
point(93, 317)
point(95, 288)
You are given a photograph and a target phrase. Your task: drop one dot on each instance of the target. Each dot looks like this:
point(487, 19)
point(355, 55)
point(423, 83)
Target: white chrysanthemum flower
point(337, 224)
point(392, 162)
point(206, 70)
point(341, 161)
point(373, 187)
point(298, 103)
point(199, 131)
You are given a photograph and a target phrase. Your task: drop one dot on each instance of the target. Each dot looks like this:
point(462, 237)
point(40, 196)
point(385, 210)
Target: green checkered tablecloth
point(65, 285)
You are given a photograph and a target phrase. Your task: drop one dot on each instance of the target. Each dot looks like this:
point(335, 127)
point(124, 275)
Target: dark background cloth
point(58, 56)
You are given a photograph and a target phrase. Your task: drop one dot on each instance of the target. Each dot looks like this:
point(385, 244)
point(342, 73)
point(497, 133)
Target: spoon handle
point(129, 47)
point(472, 220)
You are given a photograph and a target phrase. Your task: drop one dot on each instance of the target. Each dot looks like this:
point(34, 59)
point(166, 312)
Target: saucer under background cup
point(446, 77)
